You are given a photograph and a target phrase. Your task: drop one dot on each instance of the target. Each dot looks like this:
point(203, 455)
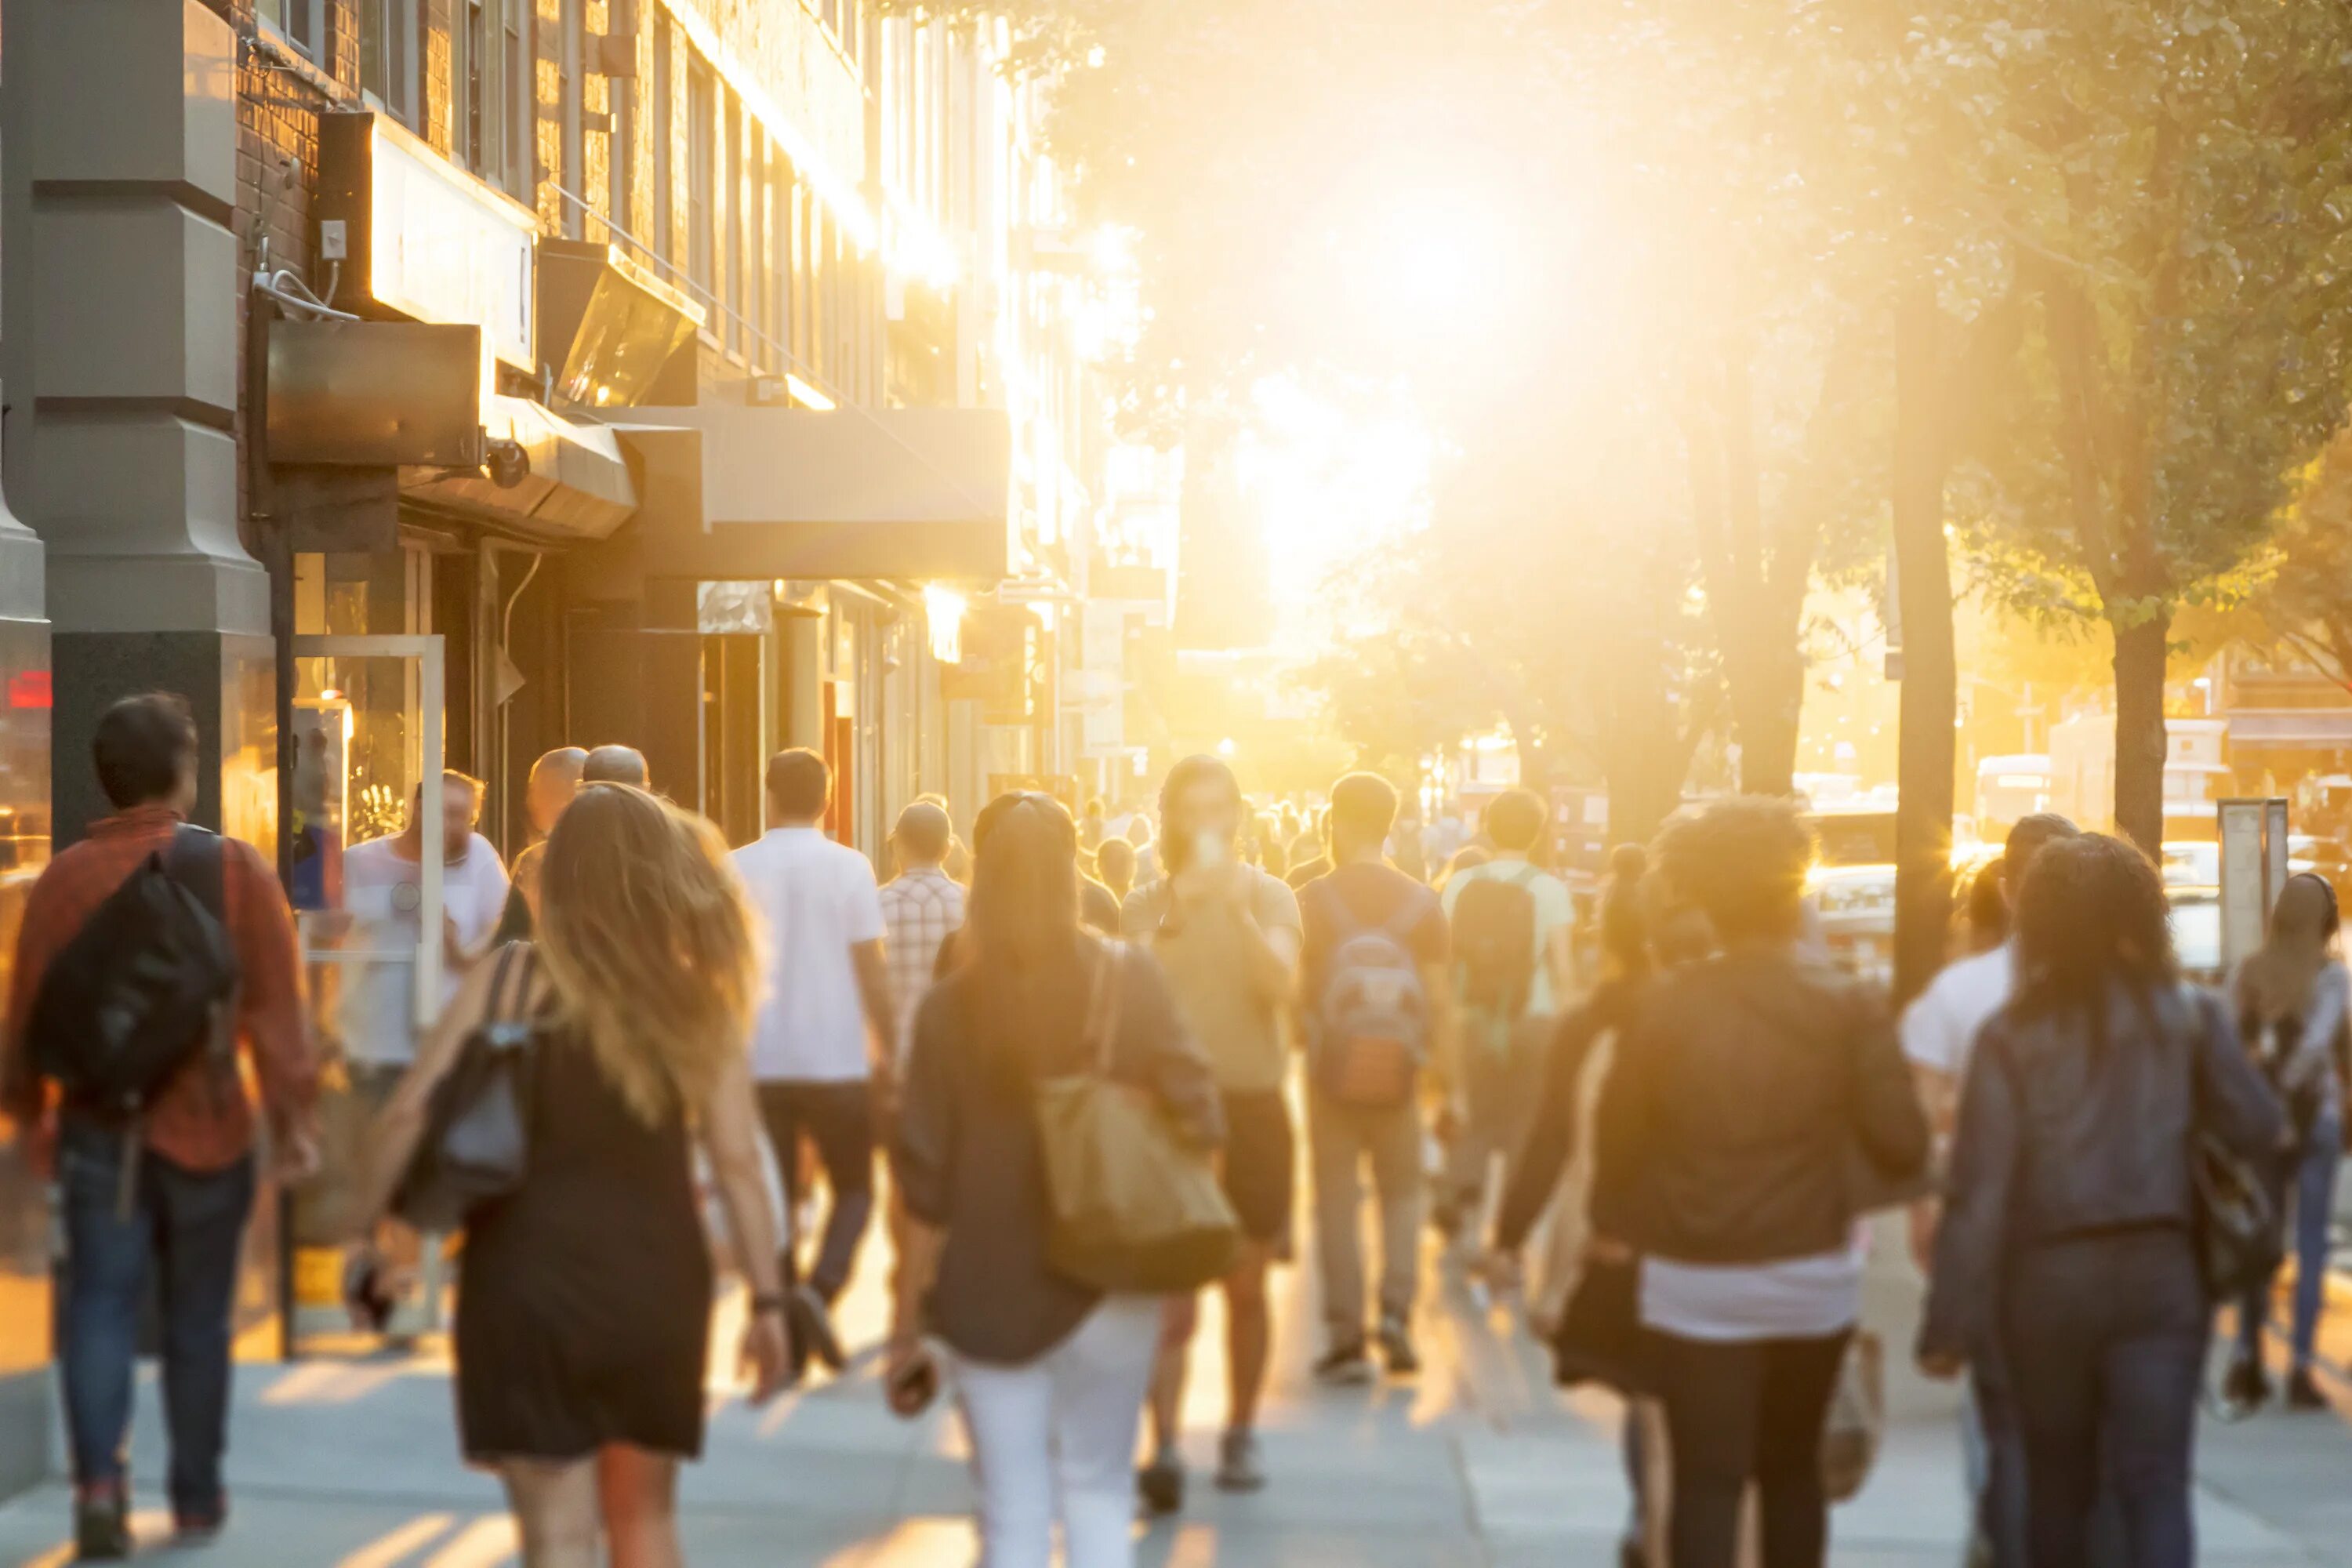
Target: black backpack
point(145, 986)
point(1495, 941)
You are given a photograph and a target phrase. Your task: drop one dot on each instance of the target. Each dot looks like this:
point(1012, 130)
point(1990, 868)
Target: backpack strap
point(198, 861)
point(1409, 913)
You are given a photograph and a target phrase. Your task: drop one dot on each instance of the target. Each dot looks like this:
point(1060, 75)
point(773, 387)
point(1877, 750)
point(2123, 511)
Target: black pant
point(2106, 1346)
point(1741, 1411)
point(838, 1118)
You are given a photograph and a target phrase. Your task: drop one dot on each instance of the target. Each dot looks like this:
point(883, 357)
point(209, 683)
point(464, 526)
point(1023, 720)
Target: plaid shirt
point(920, 910)
point(189, 1124)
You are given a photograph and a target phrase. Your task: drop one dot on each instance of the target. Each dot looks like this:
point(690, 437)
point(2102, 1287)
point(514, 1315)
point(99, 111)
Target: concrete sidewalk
point(352, 1464)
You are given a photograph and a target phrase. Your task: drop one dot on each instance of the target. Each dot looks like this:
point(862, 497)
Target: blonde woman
point(584, 1305)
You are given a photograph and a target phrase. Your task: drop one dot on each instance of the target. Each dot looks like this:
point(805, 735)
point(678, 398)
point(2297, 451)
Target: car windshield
point(1856, 837)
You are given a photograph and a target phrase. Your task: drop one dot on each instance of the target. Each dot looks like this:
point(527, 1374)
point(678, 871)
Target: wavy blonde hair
point(649, 946)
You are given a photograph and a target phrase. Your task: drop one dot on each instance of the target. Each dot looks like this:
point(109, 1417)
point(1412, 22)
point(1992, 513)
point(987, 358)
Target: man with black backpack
point(152, 954)
point(1512, 924)
point(1374, 993)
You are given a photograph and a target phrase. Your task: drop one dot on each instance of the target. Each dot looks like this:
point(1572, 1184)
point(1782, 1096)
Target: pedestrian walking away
point(1227, 934)
point(2291, 997)
point(1512, 925)
point(583, 1312)
point(1375, 991)
point(141, 1103)
point(1742, 1088)
point(1050, 1374)
point(1551, 1182)
point(1940, 1030)
point(554, 780)
point(824, 1029)
point(921, 909)
point(2070, 1233)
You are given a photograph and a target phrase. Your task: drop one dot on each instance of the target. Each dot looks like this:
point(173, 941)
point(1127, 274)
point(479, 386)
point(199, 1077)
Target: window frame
point(701, 177)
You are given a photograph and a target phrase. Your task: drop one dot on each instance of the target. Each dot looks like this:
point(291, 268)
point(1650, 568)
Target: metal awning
point(578, 486)
point(2292, 729)
point(733, 491)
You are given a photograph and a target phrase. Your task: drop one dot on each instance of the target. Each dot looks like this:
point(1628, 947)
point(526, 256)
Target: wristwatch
point(766, 1301)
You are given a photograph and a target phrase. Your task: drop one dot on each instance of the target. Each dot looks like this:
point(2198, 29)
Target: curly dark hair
point(2092, 913)
point(1743, 862)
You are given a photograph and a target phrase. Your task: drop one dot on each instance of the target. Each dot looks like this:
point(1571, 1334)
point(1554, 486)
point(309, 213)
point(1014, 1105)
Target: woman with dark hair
point(1739, 1103)
point(2068, 1232)
point(1050, 1373)
point(2292, 997)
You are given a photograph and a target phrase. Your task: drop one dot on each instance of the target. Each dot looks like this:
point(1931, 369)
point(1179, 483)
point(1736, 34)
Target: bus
point(2010, 788)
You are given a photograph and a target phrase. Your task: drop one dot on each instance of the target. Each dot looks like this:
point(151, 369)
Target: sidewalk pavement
point(352, 1464)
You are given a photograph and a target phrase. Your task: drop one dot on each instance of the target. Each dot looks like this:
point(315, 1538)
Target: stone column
point(118, 291)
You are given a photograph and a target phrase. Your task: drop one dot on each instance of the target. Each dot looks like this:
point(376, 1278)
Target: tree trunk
point(1770, 704)
point(1929, 699)
point(2139, 728)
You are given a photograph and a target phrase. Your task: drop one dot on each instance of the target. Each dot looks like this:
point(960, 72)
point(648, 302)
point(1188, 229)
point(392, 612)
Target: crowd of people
point(1668, 1116)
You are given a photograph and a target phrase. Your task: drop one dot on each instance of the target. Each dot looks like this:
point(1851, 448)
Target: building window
point(660, 140)
point(303, 23)
point(489, 68)
point(849, 27)
point(388, 55)
point(735, 340)
point(516, 151)
point(572, 175)
point(621, 150)
point(702, 173)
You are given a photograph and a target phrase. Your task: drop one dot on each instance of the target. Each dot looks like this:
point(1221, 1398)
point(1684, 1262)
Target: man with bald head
point(616, 764)
point(922, 906)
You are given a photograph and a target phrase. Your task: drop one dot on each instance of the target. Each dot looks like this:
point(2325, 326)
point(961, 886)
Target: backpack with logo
point(1494, 942)
point(147, 985)
point(1369, 1027)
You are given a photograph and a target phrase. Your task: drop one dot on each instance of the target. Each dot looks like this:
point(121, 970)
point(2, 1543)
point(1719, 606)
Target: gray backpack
point(1369, 1027)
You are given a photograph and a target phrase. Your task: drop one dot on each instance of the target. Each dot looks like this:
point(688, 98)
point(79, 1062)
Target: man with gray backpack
point(1512, 923)
point(1374, 995)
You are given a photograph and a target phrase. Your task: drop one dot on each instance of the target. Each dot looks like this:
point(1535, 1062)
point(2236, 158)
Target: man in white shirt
point(383, 896)
point(1939, 1035)
point(825, 1027)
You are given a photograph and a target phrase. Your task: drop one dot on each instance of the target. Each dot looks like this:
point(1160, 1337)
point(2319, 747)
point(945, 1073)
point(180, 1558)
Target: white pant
point(1062, 1429)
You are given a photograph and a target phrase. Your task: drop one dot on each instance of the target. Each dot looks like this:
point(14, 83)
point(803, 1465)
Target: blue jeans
point(2105, 1346)
point(186, 1227)
point(2310, 1186)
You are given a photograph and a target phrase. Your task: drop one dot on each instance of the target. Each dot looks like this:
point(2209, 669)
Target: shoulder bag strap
point(1103, 998)
point(510, 983)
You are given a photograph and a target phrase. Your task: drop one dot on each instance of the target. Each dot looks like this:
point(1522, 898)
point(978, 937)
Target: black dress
point(583, 1301)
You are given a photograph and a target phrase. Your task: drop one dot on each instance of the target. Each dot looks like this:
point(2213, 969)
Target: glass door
point(366, 879)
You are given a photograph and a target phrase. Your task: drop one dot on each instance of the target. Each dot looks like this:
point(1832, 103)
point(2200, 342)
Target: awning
point(728, 491)
point(2292, 729)
point(577, 486)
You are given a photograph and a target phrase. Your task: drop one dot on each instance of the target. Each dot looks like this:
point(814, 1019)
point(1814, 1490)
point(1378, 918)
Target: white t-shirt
point(1940, 1026)
point(1796, 1299)
point(384, 894)
point(816, 900)
point(1554, 911)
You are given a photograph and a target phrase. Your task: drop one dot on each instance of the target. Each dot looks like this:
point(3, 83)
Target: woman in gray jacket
point(2067, 1247)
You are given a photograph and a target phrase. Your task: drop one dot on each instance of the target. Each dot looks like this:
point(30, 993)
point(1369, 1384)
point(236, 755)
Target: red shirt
point(190, 1124)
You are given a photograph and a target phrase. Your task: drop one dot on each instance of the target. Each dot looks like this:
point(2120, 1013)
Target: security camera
point(509, 464)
